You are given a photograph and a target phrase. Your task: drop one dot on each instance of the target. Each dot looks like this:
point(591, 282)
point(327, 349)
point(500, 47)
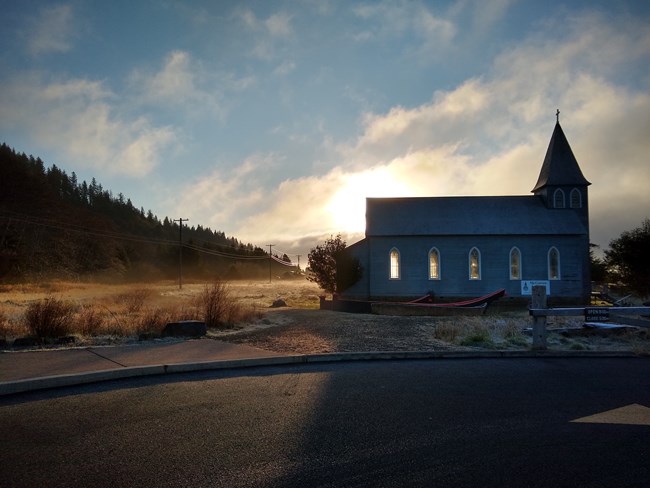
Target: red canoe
point(427, 300)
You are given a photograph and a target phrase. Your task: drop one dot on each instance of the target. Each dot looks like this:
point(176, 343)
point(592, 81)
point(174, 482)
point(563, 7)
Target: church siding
point(414, 281)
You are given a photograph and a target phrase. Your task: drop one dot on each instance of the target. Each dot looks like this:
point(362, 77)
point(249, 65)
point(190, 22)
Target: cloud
point(488, 136)
point(175, 80)
point(75, 118)
point(51, 30)
point(221, 197)
point(392, 19)
point(284, 68)
point(269, 32)
point(276, 25)
point(313, 206)
point(183, 84)
point(279, 25)
point(484, 14)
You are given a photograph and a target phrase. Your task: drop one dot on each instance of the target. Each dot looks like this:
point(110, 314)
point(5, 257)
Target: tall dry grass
point(220, 309)
point(9, 327)
point(127, 313)
point(135, 299)
point(89, 320)
point(4, 325)
point(480, 331)
point(50, 318)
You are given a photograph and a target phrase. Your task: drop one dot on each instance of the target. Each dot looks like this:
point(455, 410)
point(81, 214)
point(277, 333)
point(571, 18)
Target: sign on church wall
point(527, 286)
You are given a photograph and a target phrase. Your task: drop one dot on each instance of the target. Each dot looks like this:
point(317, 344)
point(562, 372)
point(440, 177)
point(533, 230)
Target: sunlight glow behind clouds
point(274, 124)
point(491, 152)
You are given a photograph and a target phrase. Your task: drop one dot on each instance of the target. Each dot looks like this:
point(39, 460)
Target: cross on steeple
point(557, 116)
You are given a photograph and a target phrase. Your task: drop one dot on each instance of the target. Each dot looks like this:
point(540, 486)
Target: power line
point(282, 261)
point(212, 252)
point(71, 227)
point(10, 216)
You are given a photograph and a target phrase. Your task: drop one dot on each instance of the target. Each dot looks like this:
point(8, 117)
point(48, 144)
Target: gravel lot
point(303, 331)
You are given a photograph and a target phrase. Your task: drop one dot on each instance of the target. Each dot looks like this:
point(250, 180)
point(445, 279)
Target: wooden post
point(539, 322)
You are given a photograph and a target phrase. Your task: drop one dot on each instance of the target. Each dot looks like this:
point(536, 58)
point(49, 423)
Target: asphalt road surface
point(512, 422)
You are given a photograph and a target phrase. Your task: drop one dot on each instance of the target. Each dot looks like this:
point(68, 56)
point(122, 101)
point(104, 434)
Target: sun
point(347, 207)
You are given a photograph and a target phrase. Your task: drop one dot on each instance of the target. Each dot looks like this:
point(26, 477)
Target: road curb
point(60, 381)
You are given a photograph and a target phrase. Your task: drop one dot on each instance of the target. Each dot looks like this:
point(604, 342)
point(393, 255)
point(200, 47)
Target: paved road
point(513, 422)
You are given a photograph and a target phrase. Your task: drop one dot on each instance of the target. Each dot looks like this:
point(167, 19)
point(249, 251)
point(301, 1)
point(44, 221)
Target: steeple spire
point(560, 167)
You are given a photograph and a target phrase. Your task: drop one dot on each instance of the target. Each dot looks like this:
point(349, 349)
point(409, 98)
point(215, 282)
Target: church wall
point(454, 253)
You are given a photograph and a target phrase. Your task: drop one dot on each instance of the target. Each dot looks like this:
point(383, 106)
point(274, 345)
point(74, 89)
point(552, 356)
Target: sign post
point(539, 322)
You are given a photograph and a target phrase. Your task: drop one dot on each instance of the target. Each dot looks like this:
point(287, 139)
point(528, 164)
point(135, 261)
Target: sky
point(272, 121)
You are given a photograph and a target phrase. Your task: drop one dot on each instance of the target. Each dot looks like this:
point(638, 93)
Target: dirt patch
point(322, 331)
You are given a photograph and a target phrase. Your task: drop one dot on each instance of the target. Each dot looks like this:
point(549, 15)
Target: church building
point(455, 247)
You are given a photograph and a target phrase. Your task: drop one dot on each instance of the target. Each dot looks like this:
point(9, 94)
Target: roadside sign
point(596, 314)
point(527, 286)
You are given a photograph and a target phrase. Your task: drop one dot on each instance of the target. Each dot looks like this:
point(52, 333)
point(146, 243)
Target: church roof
point(560, 167)
point(507, 215)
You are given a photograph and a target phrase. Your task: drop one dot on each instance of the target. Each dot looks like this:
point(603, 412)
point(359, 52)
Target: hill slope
point(51, 225)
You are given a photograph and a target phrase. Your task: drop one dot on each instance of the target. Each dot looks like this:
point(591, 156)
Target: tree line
point(53, 224)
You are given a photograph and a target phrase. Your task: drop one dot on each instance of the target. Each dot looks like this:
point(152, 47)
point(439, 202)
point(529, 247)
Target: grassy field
point(240, 311)
point(100, 310)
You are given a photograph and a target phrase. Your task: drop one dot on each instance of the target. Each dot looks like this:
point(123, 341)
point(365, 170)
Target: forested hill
point(52, 225)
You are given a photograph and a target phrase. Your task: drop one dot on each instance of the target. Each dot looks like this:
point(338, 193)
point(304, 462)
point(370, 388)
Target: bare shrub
point(185, 312)
point(134, 300)
point(4, 325)
point(221, 309)
point(242, 312)
point(115, 327)
point(89, 321)
point(154, 320)
point(50, 317)
point(216, 302)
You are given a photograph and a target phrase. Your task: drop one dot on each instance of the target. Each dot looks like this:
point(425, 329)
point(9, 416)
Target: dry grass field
point(99, 312)
point(241, 312)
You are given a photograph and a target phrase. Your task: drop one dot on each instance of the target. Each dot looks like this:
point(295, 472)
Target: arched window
point(394, 264)
point(558, 199)
point(474, 264)
point(576, 198)
point(434, 264)
point(553, 264)
point(515, 264)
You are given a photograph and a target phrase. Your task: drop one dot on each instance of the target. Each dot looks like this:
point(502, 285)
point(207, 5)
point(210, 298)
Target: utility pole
point(298, 262)
point(270, 260)
point(180, 251)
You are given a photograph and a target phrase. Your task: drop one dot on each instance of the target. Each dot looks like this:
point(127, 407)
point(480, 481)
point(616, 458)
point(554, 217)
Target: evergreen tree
point(628, 259)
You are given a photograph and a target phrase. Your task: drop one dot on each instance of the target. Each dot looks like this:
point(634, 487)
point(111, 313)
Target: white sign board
point(527, 286)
